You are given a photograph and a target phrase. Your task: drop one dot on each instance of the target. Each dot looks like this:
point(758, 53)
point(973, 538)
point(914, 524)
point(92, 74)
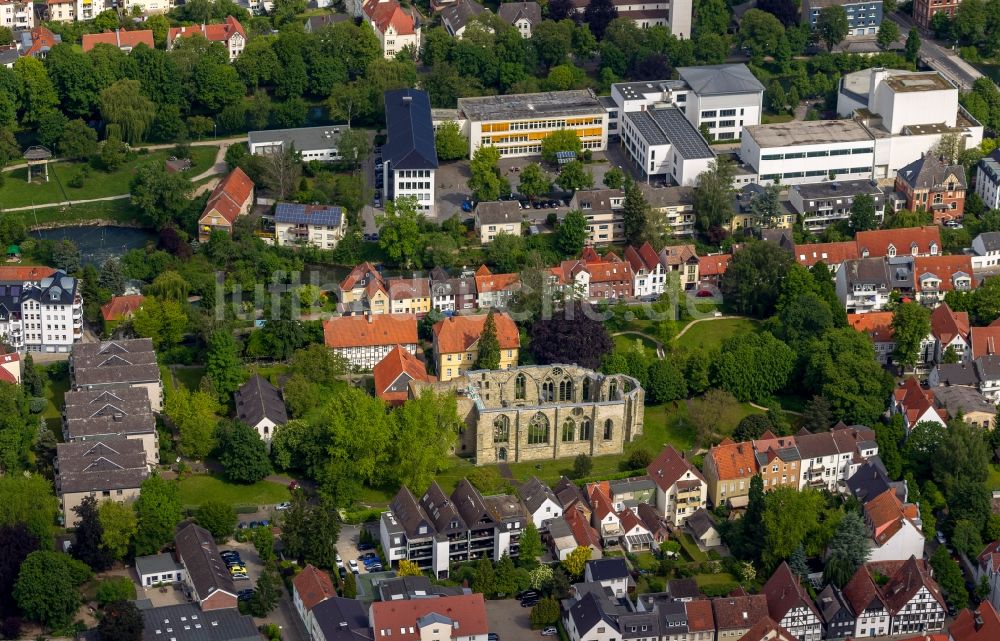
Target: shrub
point(546, 612)
point(115, 589)
point(37, 405)
point(582, 465)
point(77, 181)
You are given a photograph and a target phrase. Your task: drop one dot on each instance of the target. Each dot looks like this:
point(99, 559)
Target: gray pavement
point(510, 621)
point(940, 58)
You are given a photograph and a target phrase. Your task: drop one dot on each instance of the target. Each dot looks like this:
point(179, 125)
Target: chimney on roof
point(978, 621)
point(407, 99)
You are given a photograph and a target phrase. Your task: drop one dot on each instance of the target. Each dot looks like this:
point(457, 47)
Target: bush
point(115, 589)
point(78, 179)
point(582, 465)
point(37, 405)
point(638, 459)
point(546, 612)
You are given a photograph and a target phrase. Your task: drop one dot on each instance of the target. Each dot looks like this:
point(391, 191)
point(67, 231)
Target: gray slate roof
point(713, 80)
point(206, 569)
point(511, 12)
point(342, 619)
point(256, 400)
point(155, 564)
point(700, 522)
point(187, 622)
point(114, 362)
point(990, 240)
point(459, 15)
point(96, 466)
point(90, 403)
point(410, 130)
point(534, 494)
point(587, 613)
point(304, 138)
point(498, 212)
point(669, 126)
point(607, 569)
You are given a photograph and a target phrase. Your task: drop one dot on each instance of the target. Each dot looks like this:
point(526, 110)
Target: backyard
point(200, 488)
point(58, 376)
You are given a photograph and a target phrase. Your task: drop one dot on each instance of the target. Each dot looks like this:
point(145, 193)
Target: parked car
point(229, 553)
point(378, 202)
point(529, 602)
point(527, 594)
point(241, 576)
point(281, 507)
point(940, 537)
point(550, 631)
point(366, 546)
point(342, 571)
point(492, 636)
point(237, 568)
point(467, 205)
point(244, 595)
point(354, 565)
point(375, 567)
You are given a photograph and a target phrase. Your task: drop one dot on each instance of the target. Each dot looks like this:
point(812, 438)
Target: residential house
point(986, 250)
point(981, 624)
point(894, 527)
point(871, 480)
point(229, 32)
point(911, 596)
point(931, 184)
point(649, 13)
point(447, 618)
point(354, 285)
point(410, 296)
point(310, 587)
point(117, 364)
point(654, 522)
point(396, 29)
point(111, 469)
point(915, 404)
point(104, 414)
point(736, 614)
point(540, 501)
point(17, 15)
point(864, 285)
point(630, 493)
point(703, 528)
point(207, 578)
point(495, 290)
point(158, 569)
point(321, 226)
point(10, 367)
point(985, 340)
point(571, 496)
point(603, 209)
point(412, 587)
point(562, 539)
point(41, 309)
point(366, 340)
point(685, 590)
point(459, 15)
point(681, 490)
point(231, 198)
point(791, 606)
point(636, 537)
point(393, 375)
point(982, 374)
point(823, 204)
point(121, 308)
point(988, 182)
point(586, 620)
point(339, 619)
point(925, 10)
point(613, 574)
point(648, 275)
point(951, 331)
point(833, 255)
point(907, 241)
point(967, 403)
point(609, 277)
point(410, 158)
point(683, 261)
point(878, 327)
point(778, 461)
point(148, 7)
point(260, 405)
point(830, 458)
point(604, 517)
point(676, 204)
point(988, 567)
point(863, 18)
point(185, 622)
point(934, 276)
point(871, 614)
point(124, 40)
point(523, 15)
point(38, 41)
point(729, 467)
point(498, 217)
point(712, 267)
point(838, 616)
point(456, 343)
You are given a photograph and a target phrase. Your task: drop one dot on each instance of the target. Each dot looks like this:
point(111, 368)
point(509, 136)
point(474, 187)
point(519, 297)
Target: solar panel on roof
point(307, 215)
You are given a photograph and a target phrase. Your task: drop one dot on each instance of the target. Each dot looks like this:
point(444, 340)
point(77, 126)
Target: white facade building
point(663, 143)
point(410, 158)
point(312, 143)
point(40, 313)
point(988, 180)
point(986, 250)
point(800, 152)
point(673, 14)
point(17, 15)
point(149, 7)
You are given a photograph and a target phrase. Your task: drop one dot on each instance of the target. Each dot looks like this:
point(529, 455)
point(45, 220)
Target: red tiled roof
point(946, 324)
point(121, 307)
point(915, 400)
point(313, 586)
point(767, 630)
point(460, 333)
point(630, 521)
point(218, 32)
point(359, 273)
point(379, 329)
point(737, 612)
point(644, 257)
point(981, 625)
point(877, 325)
point(388, 12)
point(466, 614)
point(396, 363)
point(904, 584)
point(985, 340)
point(25, 272)
point(943, 267)
point(41, 38)
point(713, 265)
point(119, 38)
point(861, 592)
point(784, 593)
point(877, 241)
point(830, 254)
point(668, 467)
point(230, 196)
point(584, 534)
point(601, 502)
point(733, 460)
point(5, 375)
point(989, 558)
point(402, 288)
point(699, 616)
point(487, 281)
point(675, 255)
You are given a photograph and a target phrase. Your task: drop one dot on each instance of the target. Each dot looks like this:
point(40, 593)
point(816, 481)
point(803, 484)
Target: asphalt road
point(940, 58)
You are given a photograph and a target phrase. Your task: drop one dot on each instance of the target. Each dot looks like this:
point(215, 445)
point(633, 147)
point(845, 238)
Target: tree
point(760, 32)
point(266, 593)
point(576, 562)
point(816, 415)
point(77, 141)
point(707, 412)
point(280, 172)
point(112, 278)
point(408, 568)
point(832, 26)
point(505, 577)
point(113, 152)
point(46, 588)
point(598, 15)
point(777, 101)
point(713, 195)
point(635, 214)
point(582, 466)
point(863, 213)
point(753, 279)
point(483, 578)
point(66, 256)
point(354, 146)
point(161, 196)
point(488, 356)
point(162, 320)
point(561, 140)
point(912, 49)
point(424, 434)
point(36, 91)
point(573, 176)
point(310, 531)
point(243, 454)
point(848, 549)
point(399, 229)
point(752, 427)
point(16, 543)
point(888, 34)
point(798, 563)
point(195, 415)
point(949, 576)
point(571, 234)
point(449, 142)
point(545, 613)
point(911, 324)
point(118, 526)
point(530, 545)
point(753, 366)
point(218, 517)
point(666, 383)
point(158, 511)
point(121, 621)
point(791, 518)
point(485, 182)
point(965, 538)
point(87, 546)
point(115, 589)
point(350, 586)
point(223, 363)
point(614, 178)
point(125, 105)
point(571, 335)
point(533, 181)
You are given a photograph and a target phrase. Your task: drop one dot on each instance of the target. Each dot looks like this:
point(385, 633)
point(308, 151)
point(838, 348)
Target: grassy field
point(16, 192)
point(711, 333)
point(690, 548)
point(626, 342)
point(195, 490)
point(56, 390)
point(669, 425)
point(119, 211)
point(993, 481)
point(715, 580)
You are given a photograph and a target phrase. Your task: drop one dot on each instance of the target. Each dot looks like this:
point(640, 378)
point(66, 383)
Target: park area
point(197, 489)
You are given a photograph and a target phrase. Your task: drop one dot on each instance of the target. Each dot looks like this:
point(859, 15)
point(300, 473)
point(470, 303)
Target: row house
point(409, 296)
point(981, 374)
point(116, 365)
point(120, 39)
point(456, 343)
point(866, 605)
point(711, 268)
point(229, 32)
point(452, 294)
point(986, 251)
point(356, 285)
point(830, 458)
point(894, 526)
point(952, 333)
point(790, 606)
point(107, 470)
point(495, 290)
point(111, 413)
point(676, 206)
point(833, 255)
point(448, 618)
point(878, 327)
point(838, 618)
point(602, 278)
point(681, 490)
point(595, 614)
point(310, 587)
point(439, 530)
point(778, 461)
point(573, 530)
point(365, 340)
point(981, 624)
point(729, 466)
point(737, 613)
point(912, 598)
point(683, 261)
point(935, 276)
point(540, 501)
point(648, 274)
point(934, 185)
point(889, 243)
point(863, 285)
point(966, 403)
point(603, 209)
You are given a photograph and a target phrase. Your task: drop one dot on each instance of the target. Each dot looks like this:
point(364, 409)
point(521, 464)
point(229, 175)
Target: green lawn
point(770, 119)
point(56, 390)
point(993, 482)
point(715, 580)
point(198, 489)
point(689, 547)
point(189, 377)
point(625, 342)
point(118, 211)
point(711, 333)
point(668, 425)
point(16, 192)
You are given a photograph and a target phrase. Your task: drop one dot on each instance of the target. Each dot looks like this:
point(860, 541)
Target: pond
point(99, 243)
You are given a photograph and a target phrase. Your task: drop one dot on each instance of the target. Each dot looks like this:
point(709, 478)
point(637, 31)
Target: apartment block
point(410, 158)
point(863, 17)
point(41, 309)
point(113, 365)
point(820, 205)
point(317, 225)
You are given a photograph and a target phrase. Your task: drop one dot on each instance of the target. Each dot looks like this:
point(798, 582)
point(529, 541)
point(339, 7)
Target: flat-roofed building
point(863, 16)
point(312, 143)
point(664, 143)
point(809, 151)
point(516, 124)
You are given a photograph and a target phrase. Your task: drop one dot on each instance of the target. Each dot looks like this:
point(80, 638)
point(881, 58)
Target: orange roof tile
point(945, 268)
point(41, 39)
point(230, 196)
point(668, 467)
point(402, 288)
point(885, 514)
point(699, 616)
point(218, 32)
point(359, 275)
point(489, 282)
point(714, 265)
point(396, 363)
point(25, 272)
point(981, 625)
point(121, 307)
point(733, 460)
point(119, 38)
point(362, 331)
point(985, 340)
point(584, 534)
point(989, 558)
point(946, 324)
point(313, 586)
point(388, 12)
point(466, 612)
point(829, 254)
point(905, 241)
point(630, 521)
point(460, 333)
point(877, 325)
point(767, 629)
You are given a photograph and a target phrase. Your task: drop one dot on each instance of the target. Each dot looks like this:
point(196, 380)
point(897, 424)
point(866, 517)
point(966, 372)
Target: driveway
point(510, 621)
point(347, 546)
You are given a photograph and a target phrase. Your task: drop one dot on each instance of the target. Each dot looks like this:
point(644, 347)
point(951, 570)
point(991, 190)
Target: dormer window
point(890, 252)
point(934, 249)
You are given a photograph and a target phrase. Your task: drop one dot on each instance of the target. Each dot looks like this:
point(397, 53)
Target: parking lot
point(347, 547)
point(510, 621)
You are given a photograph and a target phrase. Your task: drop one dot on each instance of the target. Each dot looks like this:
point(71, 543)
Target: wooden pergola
point(35, 156)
